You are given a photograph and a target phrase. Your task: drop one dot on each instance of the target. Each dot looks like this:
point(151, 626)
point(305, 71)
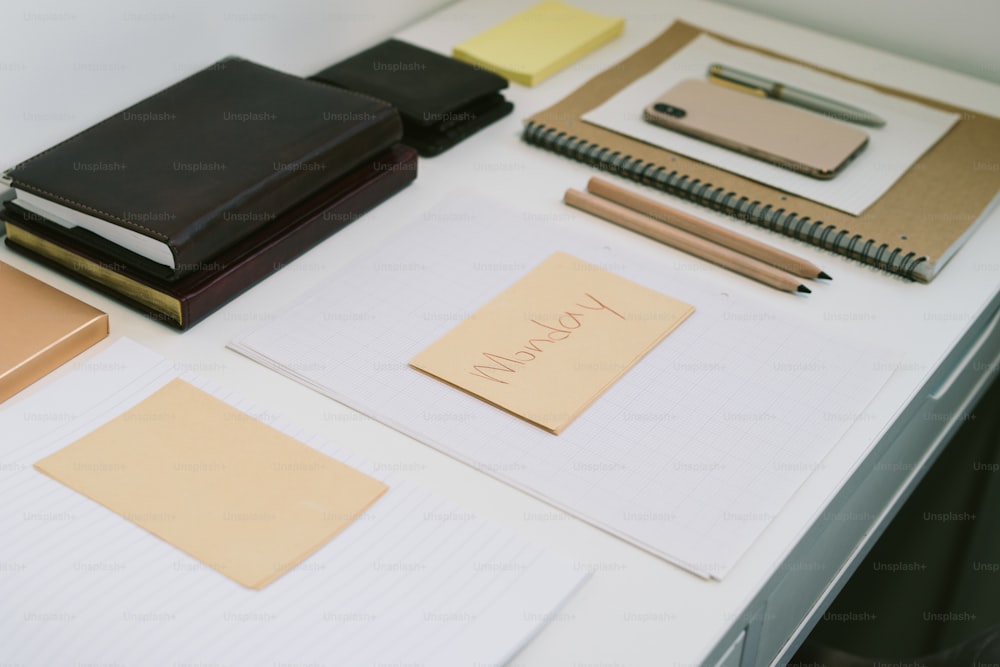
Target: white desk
point(636, 609)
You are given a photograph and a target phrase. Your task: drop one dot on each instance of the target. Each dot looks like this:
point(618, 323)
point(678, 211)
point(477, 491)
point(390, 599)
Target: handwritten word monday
point(565, 326)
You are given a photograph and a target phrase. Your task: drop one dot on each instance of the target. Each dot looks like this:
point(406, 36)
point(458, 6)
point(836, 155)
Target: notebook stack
point(183, 201)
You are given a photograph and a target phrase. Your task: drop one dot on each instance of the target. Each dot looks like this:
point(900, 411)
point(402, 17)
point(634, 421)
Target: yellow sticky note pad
point(540, 41)
point(549, 345)
point(233, 492)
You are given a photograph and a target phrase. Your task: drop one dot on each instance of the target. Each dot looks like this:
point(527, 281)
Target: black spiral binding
point(789, 223)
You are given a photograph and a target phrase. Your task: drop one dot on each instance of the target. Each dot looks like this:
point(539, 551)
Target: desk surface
point(636, 609)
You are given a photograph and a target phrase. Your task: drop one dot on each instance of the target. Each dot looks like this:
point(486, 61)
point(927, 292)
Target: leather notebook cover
point(441, 100)
point(41, 329)
point(213, 158)
point(185, 302)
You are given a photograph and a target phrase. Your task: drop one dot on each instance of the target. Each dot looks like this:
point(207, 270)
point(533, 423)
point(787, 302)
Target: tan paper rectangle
point(553, 342)
point(228, 489)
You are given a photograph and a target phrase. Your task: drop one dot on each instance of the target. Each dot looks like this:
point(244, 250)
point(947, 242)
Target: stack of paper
point(690, 453)
point(414, 580)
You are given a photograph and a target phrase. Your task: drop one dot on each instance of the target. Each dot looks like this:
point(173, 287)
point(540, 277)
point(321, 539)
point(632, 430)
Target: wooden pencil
point(689, 243)
point(689, 223)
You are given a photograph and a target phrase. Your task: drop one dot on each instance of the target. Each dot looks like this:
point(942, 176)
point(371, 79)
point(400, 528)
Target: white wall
point(961, 35)
point(65, 65)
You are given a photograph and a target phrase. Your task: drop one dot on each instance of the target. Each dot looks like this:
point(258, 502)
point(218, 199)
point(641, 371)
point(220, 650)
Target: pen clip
point(729, 83)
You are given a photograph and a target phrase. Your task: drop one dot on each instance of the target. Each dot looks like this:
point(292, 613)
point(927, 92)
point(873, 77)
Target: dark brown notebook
point(184, 174)
point(185, 302)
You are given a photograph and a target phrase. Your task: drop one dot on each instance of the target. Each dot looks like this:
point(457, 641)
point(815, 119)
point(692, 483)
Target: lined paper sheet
point(415, 580)
point(689, 455)
point(910, 129)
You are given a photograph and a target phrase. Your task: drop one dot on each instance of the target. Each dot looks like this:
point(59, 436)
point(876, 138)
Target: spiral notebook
point(912, 230)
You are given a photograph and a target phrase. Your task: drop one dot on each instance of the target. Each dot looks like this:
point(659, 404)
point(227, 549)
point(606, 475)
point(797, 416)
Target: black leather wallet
point(441, 100)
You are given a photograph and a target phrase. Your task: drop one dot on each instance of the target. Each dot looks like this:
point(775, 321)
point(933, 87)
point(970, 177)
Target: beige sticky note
point(228, 489)
point(550, 344)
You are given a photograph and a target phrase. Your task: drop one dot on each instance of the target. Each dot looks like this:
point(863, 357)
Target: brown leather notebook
point(185, 302)
point(912, 230)
point(188, 172)
point(41, 328)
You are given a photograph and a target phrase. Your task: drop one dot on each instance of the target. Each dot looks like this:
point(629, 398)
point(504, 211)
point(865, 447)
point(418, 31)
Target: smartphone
point(763, 128)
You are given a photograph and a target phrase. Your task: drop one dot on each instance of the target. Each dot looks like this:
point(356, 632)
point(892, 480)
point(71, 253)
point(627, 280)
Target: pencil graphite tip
point(804, 289)
point(824, 276)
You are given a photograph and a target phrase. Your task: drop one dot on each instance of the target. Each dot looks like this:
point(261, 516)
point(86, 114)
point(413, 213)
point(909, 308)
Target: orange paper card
point(229, 490)
point(549, 345)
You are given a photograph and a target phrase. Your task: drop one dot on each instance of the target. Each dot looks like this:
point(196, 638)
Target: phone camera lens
point(676, 112)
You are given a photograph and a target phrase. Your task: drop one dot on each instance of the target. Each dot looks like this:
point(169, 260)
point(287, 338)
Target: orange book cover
point(41, 329)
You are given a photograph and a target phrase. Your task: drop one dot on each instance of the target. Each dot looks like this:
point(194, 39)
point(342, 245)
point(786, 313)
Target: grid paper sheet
point(415, 580)
point(690, 455)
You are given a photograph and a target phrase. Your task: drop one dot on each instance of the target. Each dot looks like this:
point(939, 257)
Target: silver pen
point(758, 85)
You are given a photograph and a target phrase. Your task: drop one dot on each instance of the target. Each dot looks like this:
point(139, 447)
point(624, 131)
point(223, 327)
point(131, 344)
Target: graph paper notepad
point(689, 455)
point(416, 580)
